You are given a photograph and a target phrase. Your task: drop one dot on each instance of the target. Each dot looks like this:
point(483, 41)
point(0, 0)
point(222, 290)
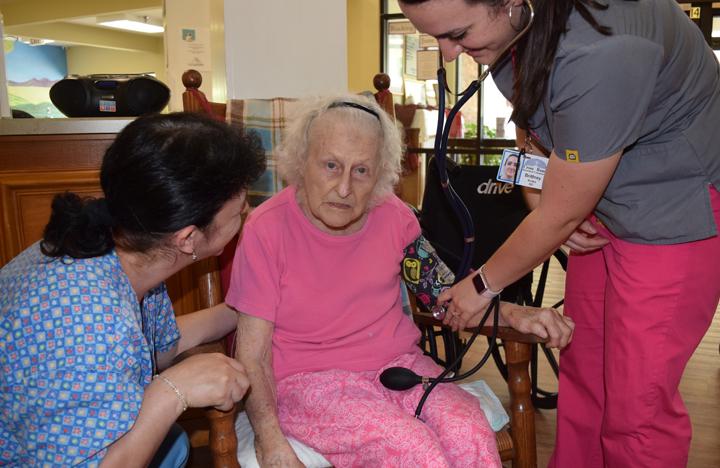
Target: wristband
point(481, 284)
point(179, 394)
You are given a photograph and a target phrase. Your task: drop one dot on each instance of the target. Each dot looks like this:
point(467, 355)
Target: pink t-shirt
point(334, 300)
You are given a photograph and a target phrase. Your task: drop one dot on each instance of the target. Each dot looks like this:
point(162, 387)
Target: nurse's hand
point(464, 306)
point(586, 238)
point(209, 379)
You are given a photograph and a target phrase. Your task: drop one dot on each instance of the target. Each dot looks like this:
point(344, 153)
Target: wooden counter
point(40, 158)
point(28, 127)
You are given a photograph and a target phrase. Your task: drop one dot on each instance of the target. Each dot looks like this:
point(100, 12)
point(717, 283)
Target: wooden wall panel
point(25, 199)
point(29, 153)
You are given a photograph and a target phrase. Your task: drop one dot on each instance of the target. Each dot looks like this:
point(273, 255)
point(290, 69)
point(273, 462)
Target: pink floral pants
point(354, 421)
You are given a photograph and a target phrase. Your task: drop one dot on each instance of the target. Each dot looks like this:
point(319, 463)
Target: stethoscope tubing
point(442, 135)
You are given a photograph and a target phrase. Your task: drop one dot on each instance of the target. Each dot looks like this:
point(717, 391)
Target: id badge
point(520, 168)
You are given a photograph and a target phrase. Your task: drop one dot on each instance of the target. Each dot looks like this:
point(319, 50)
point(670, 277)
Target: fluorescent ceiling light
point(142, 25)
point(39, 42)
point(29, 41)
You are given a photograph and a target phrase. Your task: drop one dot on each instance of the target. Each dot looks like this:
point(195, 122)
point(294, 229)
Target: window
point(410, 59)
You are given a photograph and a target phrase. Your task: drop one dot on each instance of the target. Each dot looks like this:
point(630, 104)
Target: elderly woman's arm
point(254, 351)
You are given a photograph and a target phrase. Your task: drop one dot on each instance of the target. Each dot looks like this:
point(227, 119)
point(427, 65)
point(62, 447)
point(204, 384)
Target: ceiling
point(74, 22)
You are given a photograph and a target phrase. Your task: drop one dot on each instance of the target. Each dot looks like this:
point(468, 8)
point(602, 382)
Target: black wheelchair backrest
point(496, 209)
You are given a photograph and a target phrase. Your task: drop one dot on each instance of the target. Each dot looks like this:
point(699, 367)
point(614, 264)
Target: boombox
point(109, 95)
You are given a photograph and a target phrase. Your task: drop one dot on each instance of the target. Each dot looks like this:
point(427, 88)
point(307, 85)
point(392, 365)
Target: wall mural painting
point(31, 71)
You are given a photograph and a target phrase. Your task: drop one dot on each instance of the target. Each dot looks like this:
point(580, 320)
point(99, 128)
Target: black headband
point(354, 105)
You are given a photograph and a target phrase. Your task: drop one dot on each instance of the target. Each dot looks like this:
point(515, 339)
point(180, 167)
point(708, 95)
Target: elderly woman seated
point(316, 280)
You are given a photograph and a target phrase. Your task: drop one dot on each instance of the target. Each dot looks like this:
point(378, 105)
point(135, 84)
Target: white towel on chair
point(246, 447)
point(491, 406)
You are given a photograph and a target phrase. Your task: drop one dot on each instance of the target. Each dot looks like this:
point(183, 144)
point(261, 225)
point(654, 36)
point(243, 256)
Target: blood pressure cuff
point(424, 273)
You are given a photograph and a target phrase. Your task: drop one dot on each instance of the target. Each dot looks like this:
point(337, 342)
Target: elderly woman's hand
point(277, 453)
point(544, 322)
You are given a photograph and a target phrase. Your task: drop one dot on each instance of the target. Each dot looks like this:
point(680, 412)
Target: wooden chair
point(412, 181)
point(515, 443)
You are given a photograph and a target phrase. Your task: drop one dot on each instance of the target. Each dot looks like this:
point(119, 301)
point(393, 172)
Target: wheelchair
point(497, 209)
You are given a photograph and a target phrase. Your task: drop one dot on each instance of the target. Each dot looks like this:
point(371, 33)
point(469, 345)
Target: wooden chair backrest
point(383, 96)
point(195, 100)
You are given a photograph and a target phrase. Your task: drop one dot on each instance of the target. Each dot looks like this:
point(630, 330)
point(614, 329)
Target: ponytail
point(78, 228)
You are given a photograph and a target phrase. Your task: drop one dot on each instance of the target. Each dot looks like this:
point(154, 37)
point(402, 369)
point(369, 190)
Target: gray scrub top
point(651, 90)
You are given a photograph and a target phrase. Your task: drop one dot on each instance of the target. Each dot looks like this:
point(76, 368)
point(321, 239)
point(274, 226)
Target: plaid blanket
point(268, 118)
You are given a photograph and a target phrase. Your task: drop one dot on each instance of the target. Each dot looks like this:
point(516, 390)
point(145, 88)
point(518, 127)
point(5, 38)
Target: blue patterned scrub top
point(76, 352)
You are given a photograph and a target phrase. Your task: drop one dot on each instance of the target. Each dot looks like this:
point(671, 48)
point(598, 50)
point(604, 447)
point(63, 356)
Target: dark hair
point(161, 174)
point(535, 52)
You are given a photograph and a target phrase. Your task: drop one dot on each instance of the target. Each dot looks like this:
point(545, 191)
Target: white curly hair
point(293, 151)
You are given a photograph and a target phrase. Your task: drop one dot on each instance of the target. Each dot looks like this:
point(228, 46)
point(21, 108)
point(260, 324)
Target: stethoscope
point(399, 378)
point(442, 135)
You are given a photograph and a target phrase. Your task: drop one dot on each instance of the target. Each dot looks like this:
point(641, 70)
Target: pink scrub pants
point(354, 421)
point(640, 311)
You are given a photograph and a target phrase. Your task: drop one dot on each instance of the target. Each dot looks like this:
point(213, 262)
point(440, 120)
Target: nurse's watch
point(481, 285)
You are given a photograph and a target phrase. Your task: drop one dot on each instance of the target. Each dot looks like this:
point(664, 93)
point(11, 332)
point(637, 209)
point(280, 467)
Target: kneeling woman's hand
point(210, 379)
point(544, 322)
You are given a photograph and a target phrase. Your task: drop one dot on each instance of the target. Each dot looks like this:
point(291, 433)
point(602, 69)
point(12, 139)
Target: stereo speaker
point(109, 95)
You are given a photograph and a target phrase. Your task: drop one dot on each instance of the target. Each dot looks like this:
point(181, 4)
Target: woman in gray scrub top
point(625, 95)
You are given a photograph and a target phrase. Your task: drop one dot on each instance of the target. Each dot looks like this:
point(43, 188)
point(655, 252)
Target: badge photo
point(508, 166)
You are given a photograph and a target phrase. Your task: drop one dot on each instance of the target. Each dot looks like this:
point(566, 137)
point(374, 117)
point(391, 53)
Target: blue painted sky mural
point(31, 71)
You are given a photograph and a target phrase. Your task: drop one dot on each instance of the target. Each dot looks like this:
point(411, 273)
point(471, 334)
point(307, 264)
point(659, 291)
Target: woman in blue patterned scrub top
point(87, 331)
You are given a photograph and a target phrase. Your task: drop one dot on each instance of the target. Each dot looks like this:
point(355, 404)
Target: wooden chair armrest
point(223, 439)
point(504, 333)
point(522, 412)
